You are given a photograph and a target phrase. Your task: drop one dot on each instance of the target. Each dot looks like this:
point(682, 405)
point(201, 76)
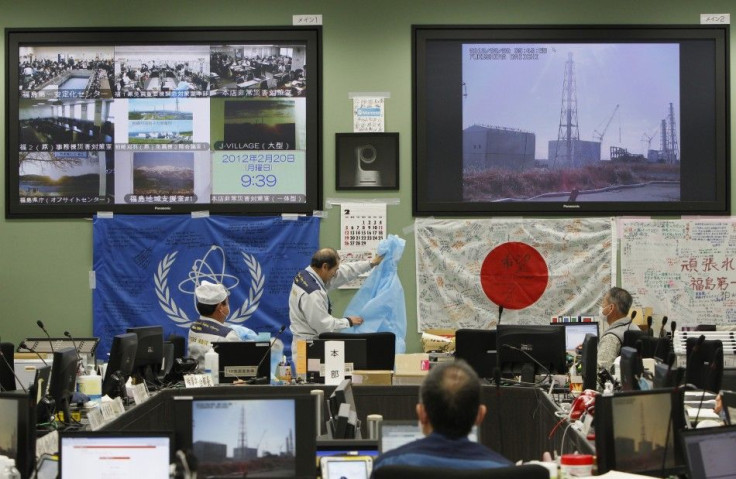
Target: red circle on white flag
point(514, 275)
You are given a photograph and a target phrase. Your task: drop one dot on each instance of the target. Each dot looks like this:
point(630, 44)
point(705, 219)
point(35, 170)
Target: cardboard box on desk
point(372, 378)
point(641, 316)
point(442, 340)
point(410, 368)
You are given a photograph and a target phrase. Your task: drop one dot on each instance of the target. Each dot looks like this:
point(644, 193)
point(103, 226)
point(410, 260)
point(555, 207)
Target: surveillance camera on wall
point(367, 166)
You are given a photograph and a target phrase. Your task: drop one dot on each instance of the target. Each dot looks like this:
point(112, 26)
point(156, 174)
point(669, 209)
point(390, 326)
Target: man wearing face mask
point(310, 310)
point(614, 310)
point(214, 308)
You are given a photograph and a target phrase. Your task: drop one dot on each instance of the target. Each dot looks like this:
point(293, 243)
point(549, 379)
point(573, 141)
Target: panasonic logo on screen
point(162, 208)
point(571, 206)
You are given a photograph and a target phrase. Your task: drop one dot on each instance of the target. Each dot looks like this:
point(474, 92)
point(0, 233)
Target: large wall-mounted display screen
point(559, 120)
point(163, 121)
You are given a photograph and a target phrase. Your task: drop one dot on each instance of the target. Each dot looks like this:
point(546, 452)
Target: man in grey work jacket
point(615, 308)
point(310, 310)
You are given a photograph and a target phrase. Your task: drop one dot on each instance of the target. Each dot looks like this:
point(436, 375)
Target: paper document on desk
point(619, 475)
point(697, 395)
point(692, 412)
point(705, 405)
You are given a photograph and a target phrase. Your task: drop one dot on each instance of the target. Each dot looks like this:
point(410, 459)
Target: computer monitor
point(531, 350)
point(120, 365)
point(354, 467)
point(64, 379)
point(39, 390)
point(7, 370)
point(18, 429)
point(143, 455)
point(704, 364)
point(344, 422)
point(589, 361)
point(667, 376)
point(575, 333)
point(149, 353)
point(478, 348)
point(709, 452)
point(380, 347)
point(243, 360)
point(395, 433)
point(729, 406)
point(632, 368)
point(355, 358)
point(347, 447)
point(728, 380)
point(261, 436)
point(644, 437)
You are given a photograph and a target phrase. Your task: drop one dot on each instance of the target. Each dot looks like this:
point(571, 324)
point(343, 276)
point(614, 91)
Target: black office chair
point(527, 471)
point(648, 346)
point(380, 348)
point(704, 366)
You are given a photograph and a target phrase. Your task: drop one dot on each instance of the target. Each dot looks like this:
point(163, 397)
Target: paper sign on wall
point(368, 114)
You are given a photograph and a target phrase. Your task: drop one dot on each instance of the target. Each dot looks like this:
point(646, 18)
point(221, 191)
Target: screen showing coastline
point(164, 121)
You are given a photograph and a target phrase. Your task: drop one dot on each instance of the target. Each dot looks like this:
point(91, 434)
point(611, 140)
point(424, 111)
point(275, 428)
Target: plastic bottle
point(3, 466)
point(91, 385)
point(212, 366)
point(284, 371)
point(576, 465)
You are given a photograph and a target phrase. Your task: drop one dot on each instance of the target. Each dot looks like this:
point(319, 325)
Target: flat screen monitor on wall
point(164, 120)
point(583, 120)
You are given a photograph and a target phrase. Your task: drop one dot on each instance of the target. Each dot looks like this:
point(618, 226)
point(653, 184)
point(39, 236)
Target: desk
point(517, 424)
point(249, 84)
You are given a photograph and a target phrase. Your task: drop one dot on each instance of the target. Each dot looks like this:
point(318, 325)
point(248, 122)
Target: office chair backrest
point(380, 347)
point(527, 471)
point(704, 363)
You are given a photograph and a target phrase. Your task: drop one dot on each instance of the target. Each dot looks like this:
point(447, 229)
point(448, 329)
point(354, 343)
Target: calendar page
point(363, 227)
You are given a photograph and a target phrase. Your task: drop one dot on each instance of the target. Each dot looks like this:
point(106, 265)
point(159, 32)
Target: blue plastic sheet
point(244, 333)
point(380, 301)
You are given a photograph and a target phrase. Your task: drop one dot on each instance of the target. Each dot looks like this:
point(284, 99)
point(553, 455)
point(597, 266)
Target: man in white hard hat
point(214, 308)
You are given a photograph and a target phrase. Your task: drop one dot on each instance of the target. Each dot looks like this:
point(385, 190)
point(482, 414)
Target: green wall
point(44, 265)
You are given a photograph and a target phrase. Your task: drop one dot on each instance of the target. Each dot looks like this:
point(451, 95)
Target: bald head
point(450, 395)
point(325, 256)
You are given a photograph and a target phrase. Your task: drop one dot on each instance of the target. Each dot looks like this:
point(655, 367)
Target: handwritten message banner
point(684, 269)
point(147, 267)
point(538, 268)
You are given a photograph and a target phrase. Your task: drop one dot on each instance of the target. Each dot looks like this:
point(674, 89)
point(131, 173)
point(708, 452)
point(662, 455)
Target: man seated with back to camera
point(614, 309)
point(214, 308)
point(449, 405)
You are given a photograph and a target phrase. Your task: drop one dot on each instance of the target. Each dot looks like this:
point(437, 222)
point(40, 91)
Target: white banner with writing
point(684, 269)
